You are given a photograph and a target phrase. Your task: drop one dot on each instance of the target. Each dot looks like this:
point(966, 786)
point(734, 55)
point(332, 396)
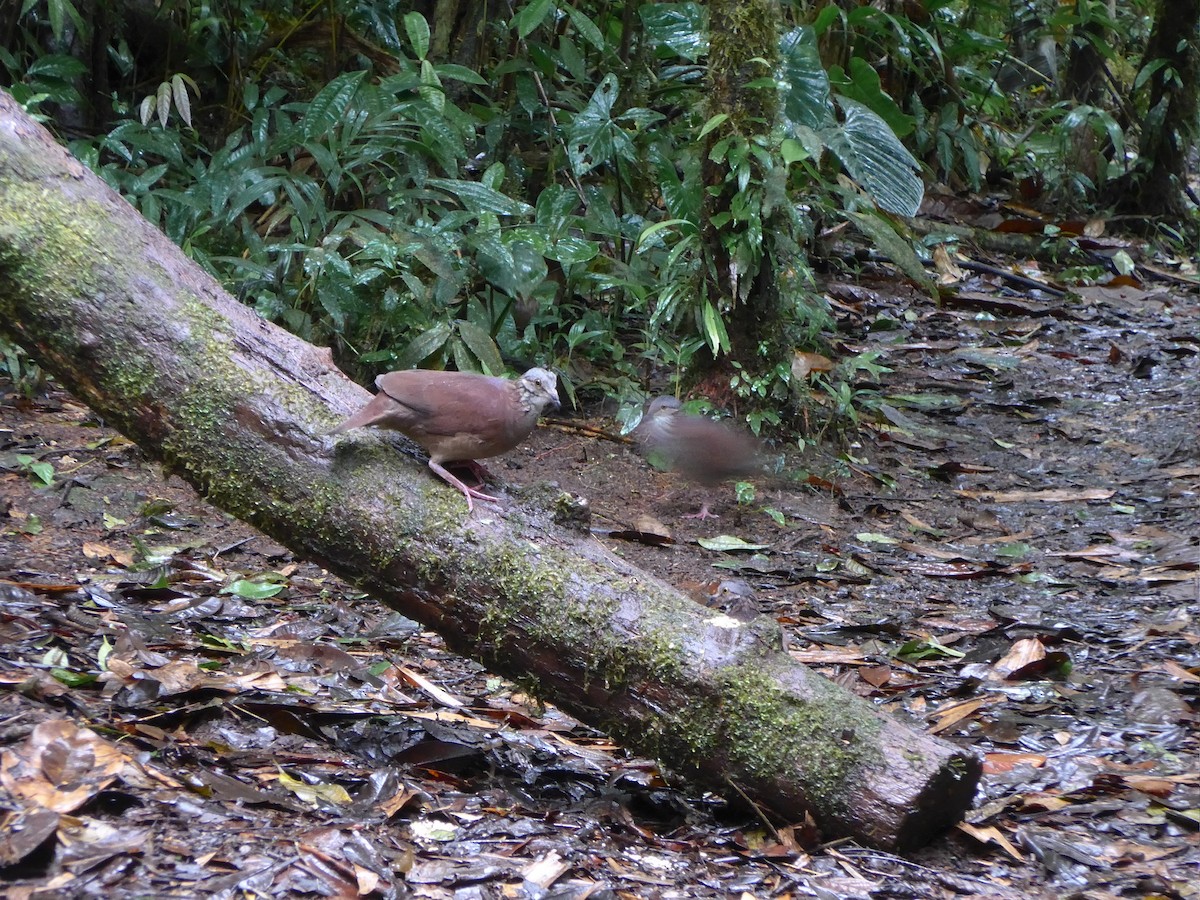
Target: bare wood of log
point(241, 408)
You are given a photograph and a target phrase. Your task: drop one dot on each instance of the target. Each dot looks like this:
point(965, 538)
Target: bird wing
point(708, 451)
point(455, 415)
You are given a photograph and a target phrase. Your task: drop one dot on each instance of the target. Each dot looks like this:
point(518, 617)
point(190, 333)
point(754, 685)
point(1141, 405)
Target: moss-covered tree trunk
point(241, 409)
point(738, 225)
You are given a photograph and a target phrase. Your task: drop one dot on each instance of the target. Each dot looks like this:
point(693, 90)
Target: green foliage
point(26, 376)
point(174, 90)
point(48, 79)
point(862, 140)
point(42, 471)
point(341, 170)
point(852, 387)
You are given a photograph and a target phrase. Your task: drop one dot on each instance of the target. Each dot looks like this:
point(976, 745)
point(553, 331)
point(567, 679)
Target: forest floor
point(1007, 556)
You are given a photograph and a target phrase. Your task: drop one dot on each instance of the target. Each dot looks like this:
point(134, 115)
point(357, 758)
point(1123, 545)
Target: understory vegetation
point(633, 194)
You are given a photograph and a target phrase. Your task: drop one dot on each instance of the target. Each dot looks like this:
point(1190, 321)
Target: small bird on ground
point(458, 416)
point(698, 448)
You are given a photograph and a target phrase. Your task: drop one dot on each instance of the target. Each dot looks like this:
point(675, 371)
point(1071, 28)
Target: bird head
point(662, 407)
point(539, 389)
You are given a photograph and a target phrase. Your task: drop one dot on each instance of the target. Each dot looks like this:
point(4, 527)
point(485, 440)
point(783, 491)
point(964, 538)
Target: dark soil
point(1006, 553)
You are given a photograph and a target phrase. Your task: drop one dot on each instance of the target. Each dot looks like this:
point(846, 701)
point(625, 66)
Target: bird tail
point(360, 418)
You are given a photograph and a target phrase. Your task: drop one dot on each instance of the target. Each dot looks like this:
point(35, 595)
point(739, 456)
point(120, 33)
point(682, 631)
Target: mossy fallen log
point(242, 410)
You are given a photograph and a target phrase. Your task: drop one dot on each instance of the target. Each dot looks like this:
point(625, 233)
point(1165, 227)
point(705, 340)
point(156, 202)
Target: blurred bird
point(700, 449)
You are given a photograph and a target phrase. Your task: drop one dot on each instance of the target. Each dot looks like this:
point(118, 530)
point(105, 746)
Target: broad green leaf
point(806, 96)
point(43, 471)
point(530, 16)
point(55, 65)
point(862, 84)
point(57, 16)
point(424, 345)
point(103, 654)
point(481, 344)
point(529, 268)
point(640, 118)
point(712, 123)
point(164, 103)
point(182, 103)
point(145, 112)
point(825, 18)
point(727, 543)
point(60, 10)
point(876, 159)
point(479, 199)
point(434, 830)
point(431, 87)
point(72, 679)
point(870, 537)
point(438, 138)
point(555, 206)
point(329, 107)
point(146, 180)
point(464, 361)
point(681, 27)
point(883, 235)
point(928, 649)
point(793, 151)
point(417, 30)
point(460, 73)
point(714, 330)
point(569, 250)
point(593, 138)
point(252, 590)
point(495, 261)
point(681, 190)
point(493, 176)
point(571, 59)
point(1147, 72)
point(56, 656)
point(586, 27)
point(651, 230)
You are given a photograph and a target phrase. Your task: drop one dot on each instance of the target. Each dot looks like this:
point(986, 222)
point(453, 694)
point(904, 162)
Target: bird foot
point(703, 514)
point(479, 470)
point(467, 492)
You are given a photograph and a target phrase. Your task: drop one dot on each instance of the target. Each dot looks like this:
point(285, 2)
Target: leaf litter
point(1007, 556)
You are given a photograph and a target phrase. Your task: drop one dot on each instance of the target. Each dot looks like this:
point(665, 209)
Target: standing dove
point(700, 449)
point(458, 416)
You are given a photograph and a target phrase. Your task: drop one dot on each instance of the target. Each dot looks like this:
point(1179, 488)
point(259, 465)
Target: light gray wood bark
point(241, 409)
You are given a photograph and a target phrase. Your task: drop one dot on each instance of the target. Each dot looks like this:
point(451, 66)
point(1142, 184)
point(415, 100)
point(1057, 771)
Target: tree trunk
point(1084, 81)
point(1169, 128)
point(746, 238)
point(1087, 152)
point(241, 409)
